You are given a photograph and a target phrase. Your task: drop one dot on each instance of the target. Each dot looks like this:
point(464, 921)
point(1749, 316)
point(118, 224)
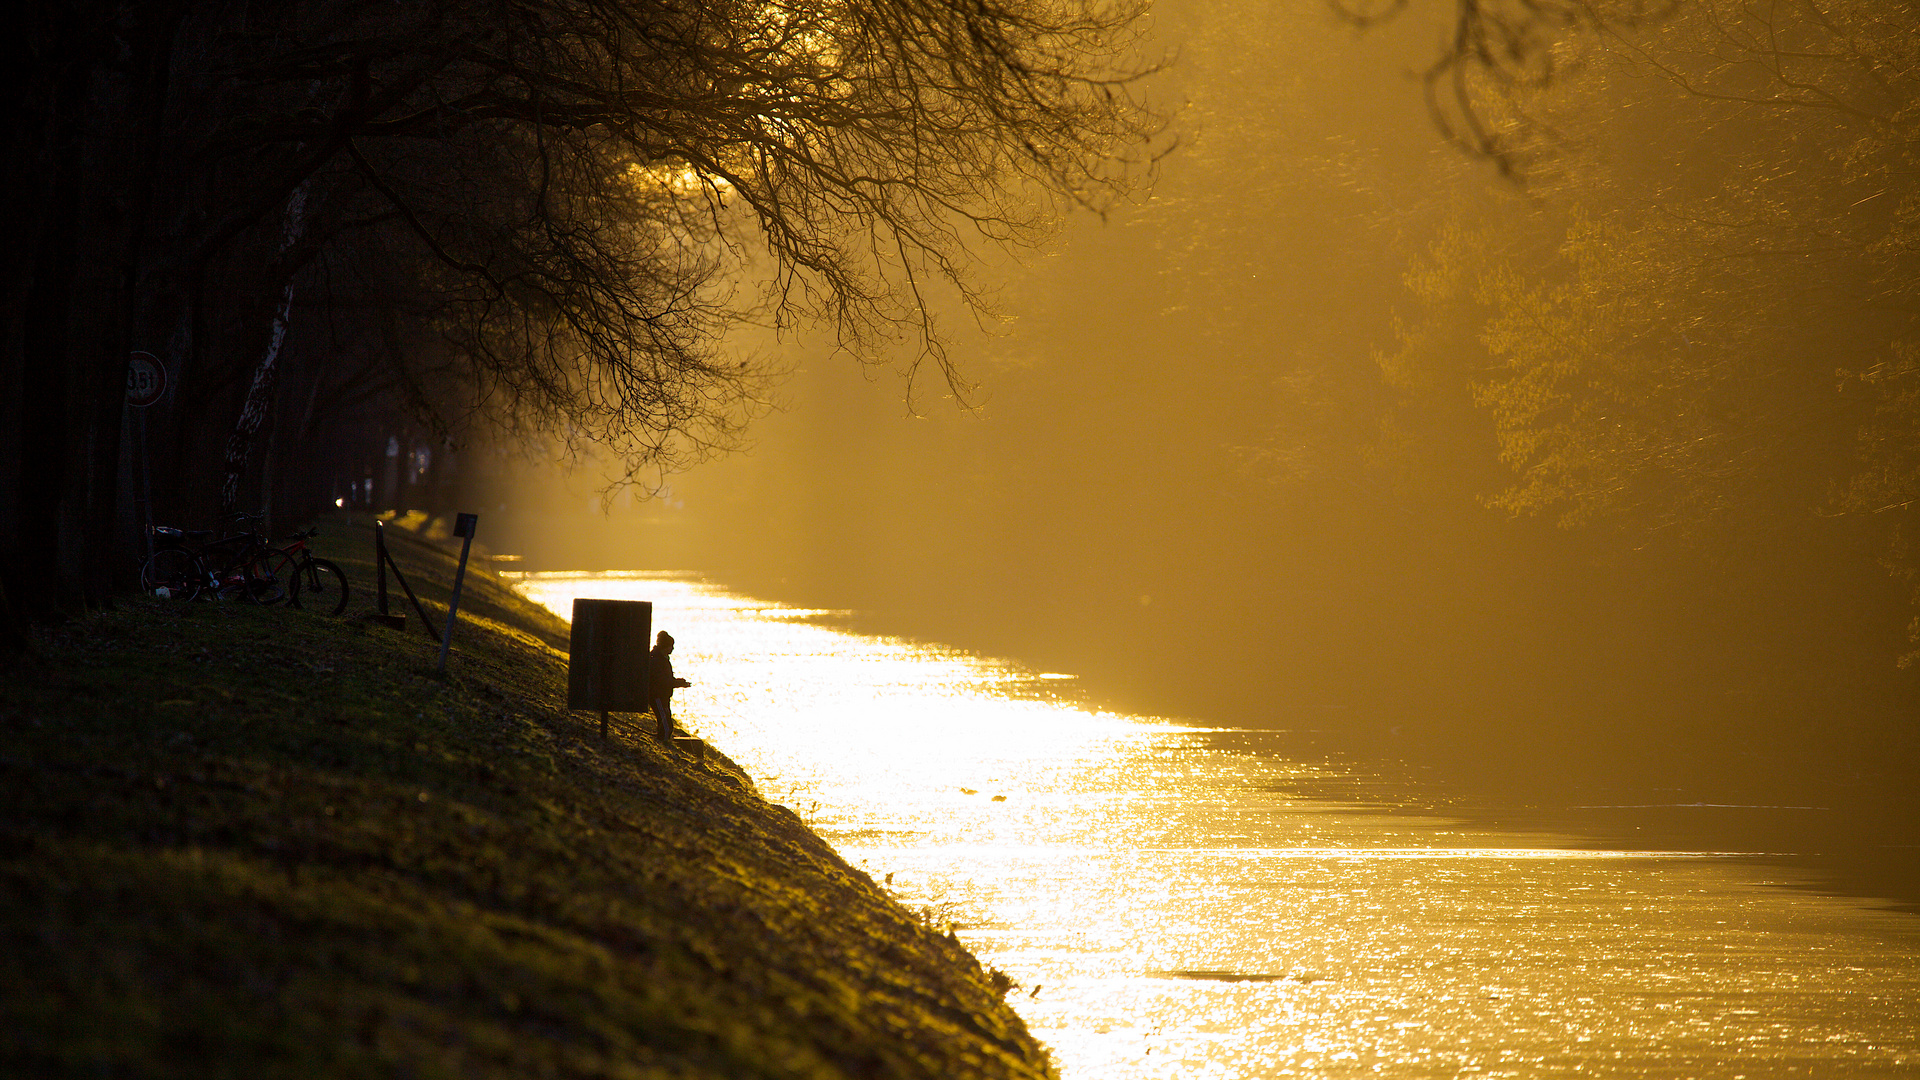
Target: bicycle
point(236, 564)
point(174, 571)
point(188, 563)
point(309, 579)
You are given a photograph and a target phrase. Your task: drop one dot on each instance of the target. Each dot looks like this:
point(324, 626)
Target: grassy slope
point(247, 842)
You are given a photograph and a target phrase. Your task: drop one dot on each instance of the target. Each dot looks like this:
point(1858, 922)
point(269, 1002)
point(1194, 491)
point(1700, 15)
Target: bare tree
point(591, 183)
point(575, 197)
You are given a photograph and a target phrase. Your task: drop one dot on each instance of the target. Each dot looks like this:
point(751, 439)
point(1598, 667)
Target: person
point(661, 682)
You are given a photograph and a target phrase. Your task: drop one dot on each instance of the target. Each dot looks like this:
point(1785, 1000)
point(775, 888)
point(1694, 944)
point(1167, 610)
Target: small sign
point(146, 380)
point(463, 525)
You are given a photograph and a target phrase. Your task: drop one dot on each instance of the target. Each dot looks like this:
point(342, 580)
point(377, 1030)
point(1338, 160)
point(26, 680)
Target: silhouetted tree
point(565, 203)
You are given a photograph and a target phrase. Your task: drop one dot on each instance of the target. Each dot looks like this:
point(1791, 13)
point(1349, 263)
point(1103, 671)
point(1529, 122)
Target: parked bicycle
point(236, 563)
point(242, 565)
point(189, 563)
point(174, 570)
point(309, 581)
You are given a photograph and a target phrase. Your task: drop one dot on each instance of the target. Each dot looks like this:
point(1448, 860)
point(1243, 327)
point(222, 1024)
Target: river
point(1179, 901)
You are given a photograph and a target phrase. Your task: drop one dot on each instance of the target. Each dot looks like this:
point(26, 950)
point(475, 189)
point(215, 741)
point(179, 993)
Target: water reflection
point(1175, 901)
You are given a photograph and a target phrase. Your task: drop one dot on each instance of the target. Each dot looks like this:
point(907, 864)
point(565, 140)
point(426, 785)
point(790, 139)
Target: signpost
point(146, 384)
point(463, 527)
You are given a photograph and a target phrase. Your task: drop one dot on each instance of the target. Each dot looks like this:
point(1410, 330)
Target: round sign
point(146, 380)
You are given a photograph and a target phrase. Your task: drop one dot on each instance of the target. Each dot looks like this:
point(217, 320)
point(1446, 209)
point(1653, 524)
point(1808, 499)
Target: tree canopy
point(1707, 326)
point(542, 214)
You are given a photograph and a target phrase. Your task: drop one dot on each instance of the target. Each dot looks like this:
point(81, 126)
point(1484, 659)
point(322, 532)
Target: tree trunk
point(260, 393)
point(83, 162)
point(41, 581)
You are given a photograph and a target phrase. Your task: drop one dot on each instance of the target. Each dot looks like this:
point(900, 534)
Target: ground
point(246, 841)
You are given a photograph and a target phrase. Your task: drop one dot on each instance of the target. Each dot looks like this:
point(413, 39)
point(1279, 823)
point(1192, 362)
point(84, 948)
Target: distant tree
point(1658, 368)
point(1719, 327)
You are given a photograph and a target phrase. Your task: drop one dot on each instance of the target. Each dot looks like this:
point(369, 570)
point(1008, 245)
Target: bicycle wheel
point(173, 573)
point(266, 577)
point(320, 585)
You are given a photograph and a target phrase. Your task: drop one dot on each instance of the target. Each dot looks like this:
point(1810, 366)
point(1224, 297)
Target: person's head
point(663, 642)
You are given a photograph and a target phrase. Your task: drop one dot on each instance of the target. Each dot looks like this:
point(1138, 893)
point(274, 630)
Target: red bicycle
point(309, 581)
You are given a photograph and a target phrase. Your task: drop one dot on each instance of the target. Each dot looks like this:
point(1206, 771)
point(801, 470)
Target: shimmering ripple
point(1169, 911)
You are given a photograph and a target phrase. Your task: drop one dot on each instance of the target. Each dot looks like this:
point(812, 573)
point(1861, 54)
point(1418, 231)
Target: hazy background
point(1228, 460)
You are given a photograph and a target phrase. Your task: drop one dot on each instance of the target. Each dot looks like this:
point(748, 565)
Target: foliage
point(1625, 387)
point(1716, 322)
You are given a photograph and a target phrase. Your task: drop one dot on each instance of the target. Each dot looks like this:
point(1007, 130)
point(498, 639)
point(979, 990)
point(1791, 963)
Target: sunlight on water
point(1169, 908)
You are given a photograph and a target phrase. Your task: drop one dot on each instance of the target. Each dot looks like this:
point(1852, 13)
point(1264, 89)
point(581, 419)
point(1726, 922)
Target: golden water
point(1170, 909)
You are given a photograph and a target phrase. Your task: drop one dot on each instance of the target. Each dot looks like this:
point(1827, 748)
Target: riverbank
point(241, 841)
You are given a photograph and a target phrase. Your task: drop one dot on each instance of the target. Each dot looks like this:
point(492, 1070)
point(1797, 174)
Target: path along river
point(1172, 906)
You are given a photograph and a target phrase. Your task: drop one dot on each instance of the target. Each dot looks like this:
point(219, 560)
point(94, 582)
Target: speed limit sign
point(146, 380)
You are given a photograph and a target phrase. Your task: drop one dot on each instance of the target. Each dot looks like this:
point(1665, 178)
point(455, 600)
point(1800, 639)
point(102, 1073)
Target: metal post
point(464, 527)
point(399, 622)
point(146, 484)
point(381, 561)
point(146, 384)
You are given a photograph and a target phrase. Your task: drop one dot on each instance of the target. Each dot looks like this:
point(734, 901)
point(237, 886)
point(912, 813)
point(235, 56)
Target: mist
point(1198, 474)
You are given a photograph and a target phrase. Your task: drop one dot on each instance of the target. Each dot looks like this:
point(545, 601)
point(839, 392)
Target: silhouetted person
point(661, 682)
